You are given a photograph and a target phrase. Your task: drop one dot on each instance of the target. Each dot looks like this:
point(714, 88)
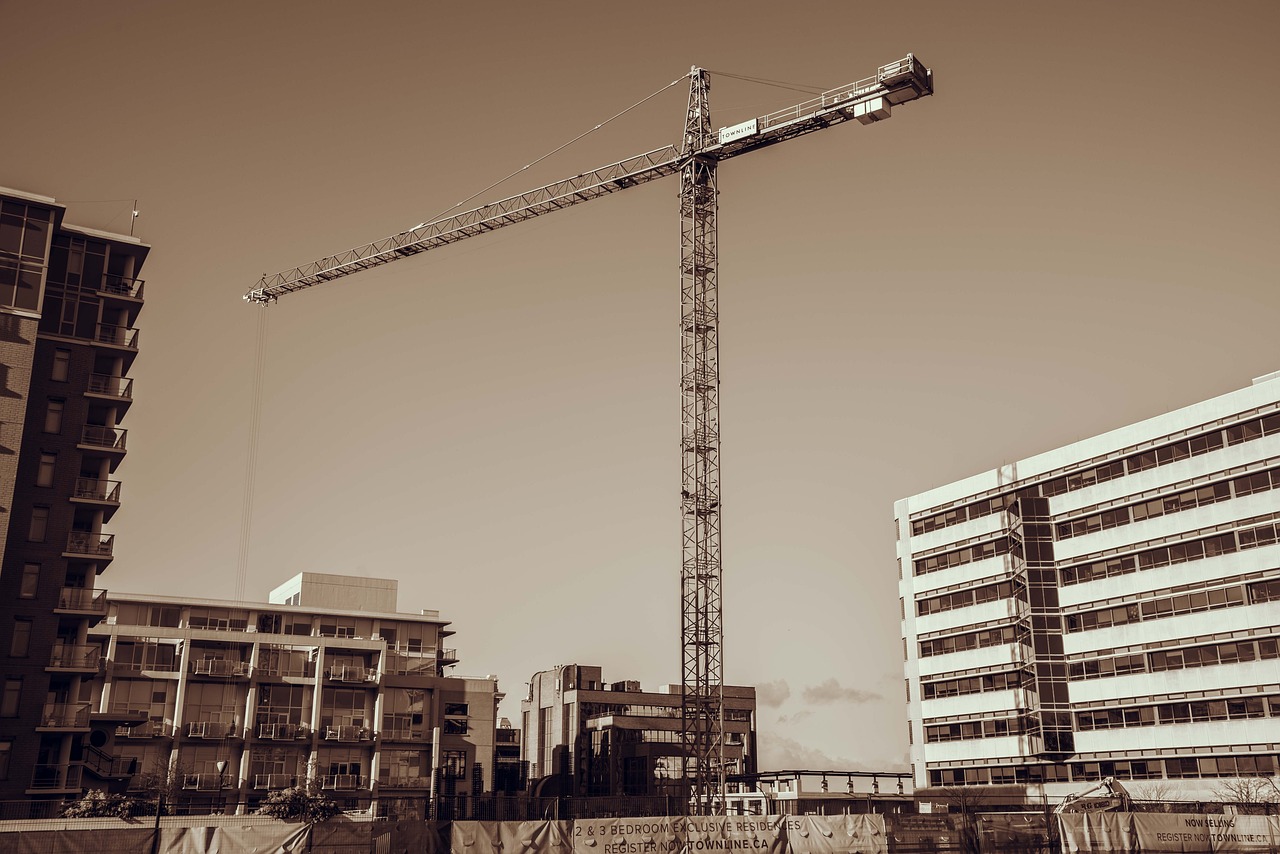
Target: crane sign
point(695, 160)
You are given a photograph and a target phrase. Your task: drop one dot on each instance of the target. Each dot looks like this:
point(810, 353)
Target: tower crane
point(695, 160)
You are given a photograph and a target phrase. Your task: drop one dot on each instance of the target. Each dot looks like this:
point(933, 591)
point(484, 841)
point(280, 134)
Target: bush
point(96, 803)
point(299, 803)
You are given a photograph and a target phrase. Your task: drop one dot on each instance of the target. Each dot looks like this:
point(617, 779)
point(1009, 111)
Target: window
point(455, 710)
point(6, 748)
point(61, 365)
point(21, 643)
point(455, 727)
point(53, 416)
point(12, 694)
point(454, 763)
point(39, 524)
point(44, 474)
point(30, 581)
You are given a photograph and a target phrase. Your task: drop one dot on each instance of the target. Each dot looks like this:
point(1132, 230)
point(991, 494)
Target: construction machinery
point(1107, 795)
point(695, 160)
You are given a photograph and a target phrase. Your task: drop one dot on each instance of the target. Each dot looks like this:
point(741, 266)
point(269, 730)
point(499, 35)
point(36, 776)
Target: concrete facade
point(581, 736)
point(1109, 608)
point(234, 699)
point(69, 303)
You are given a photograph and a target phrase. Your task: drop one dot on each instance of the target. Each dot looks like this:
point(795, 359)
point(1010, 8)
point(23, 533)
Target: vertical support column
point(701, 623)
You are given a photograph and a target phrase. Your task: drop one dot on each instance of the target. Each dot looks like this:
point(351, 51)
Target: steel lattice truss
point(701, 614)
point(702, 618)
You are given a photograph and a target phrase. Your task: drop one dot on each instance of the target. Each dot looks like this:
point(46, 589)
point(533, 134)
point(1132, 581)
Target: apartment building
point(228, 700)
point(581, 736)
point(69, 303)
point(1109, 608)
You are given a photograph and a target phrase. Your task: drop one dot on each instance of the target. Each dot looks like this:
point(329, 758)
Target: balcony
point(220, 667)
point(72, 657)
point(106, 385)
point(352, 673)
point(215, 730)
point(124, 337)
point(104, 766)
point(94, 490)
point(447, 656)
point(283, 732)
point(401, 734)
point(121, 287)
point(344, 781)
point(209, 781)
point(103, 438)
point(405, 782)
point(64, 716)
point(82, 600)
point(274, 781)
point(346, 733)
point(89, 544)
point(50, 779)
point(150, 729)
point(398, 664)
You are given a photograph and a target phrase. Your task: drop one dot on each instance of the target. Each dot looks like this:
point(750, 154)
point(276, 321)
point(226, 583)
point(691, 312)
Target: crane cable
point(555, 150)
point(780, 84)
point(251, 462)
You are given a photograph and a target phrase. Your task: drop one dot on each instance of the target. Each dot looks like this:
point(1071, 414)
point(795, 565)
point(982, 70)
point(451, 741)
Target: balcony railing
point(209, 781)
point(65, 716)
point(223, 667)
point(352, 673)
point(68, 656)
point(105, 765)
point(446, 656)
point(346, 733)
point(344, 781)
point(210, 729)
point(404, 782)
point(90, 543)
point(277, 668)
point(282, 732)
point(56, 777)
point(93, 489)
point(412, 665)
point(274, 781)
point(122, 286)
point(401, 734)
point(150, 729)
point(109, 386)
point(83, 600)
point(119, 336)
point(100, 436)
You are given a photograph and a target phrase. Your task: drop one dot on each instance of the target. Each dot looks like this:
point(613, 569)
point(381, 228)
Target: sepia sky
point(1078, 231)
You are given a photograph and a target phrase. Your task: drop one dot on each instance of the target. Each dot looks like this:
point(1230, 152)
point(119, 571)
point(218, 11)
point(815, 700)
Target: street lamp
point(221, 765)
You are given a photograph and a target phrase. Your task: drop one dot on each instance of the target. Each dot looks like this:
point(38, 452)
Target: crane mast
point(695, 161)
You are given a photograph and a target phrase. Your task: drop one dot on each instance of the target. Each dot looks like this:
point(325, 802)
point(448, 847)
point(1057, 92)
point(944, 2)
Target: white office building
point(1109, 608)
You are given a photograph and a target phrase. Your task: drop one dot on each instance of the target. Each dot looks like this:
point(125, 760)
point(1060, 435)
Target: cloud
point(778, 753)
point(796, 718)
point(773, 694)
point(832, 692)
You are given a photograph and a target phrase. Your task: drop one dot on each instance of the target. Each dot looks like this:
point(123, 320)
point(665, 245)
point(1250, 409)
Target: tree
point(1247, 790)
point(299, 803)
point(96, 803)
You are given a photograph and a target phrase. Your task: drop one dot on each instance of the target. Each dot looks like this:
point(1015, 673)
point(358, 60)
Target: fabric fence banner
point(836, 834)
point(1192, 833)
point(279, 838)
point(763, 834)
point(511, 837)
point(660, 835)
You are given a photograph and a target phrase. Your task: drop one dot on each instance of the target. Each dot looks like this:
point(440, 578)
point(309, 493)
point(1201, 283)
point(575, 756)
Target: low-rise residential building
point(230, 700)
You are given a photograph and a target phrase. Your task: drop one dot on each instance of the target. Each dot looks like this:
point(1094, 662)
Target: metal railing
point(219, 667)
point(120, 336)
point(56, 776)
point(210, 729)
point(76, 656)
point(65, 715)
point(96, 489)
point(404, 782)
point(274, 781)
point(90, 543)
point(399, 664)
point(352, 673)
point(84, 599)
point(122, 286)
point(99, 436)
point(209, 781)
point(105, 765)
point(345, 733)
point(109, 386)
point(282, 732)
point(344, 781)
point(150, 729)
point(401, 734)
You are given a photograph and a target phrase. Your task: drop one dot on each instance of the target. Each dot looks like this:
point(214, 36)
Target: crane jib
point(868, 100)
